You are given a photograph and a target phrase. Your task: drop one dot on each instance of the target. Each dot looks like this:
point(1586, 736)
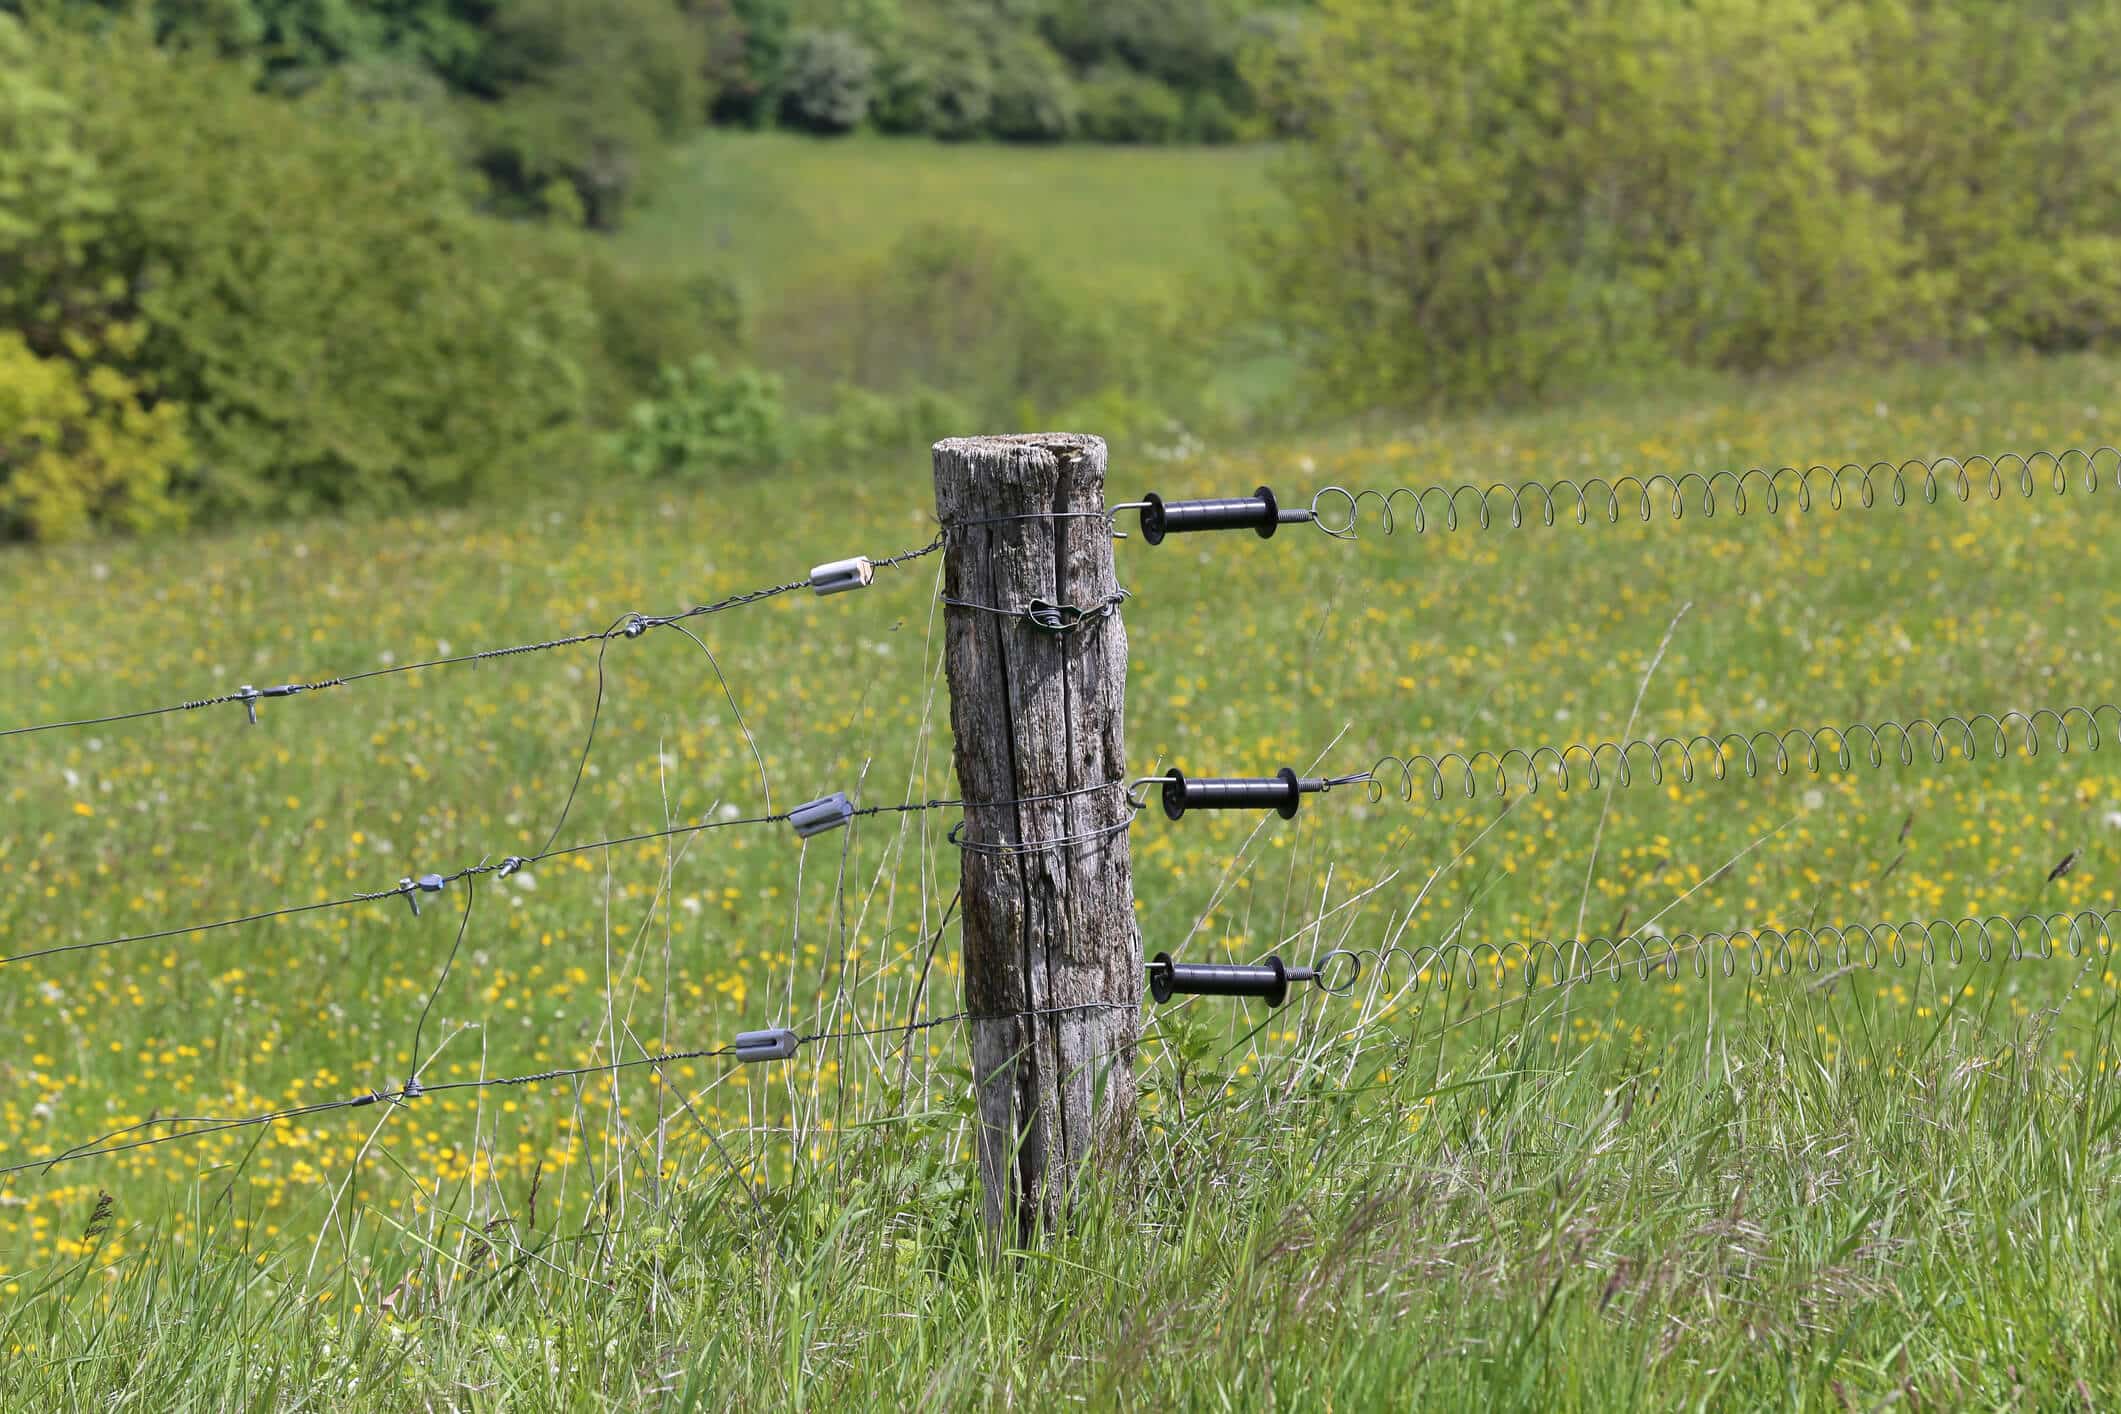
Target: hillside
point(1839, 1174)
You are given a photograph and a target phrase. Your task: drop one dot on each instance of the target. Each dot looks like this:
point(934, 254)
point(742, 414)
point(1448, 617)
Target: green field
point(1852, 1187)
point(785, 214)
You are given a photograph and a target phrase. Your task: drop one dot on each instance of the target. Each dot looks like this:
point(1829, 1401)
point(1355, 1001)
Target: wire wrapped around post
point(1037, 718)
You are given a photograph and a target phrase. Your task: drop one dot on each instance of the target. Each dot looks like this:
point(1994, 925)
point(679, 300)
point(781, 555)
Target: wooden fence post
point(1040, 713)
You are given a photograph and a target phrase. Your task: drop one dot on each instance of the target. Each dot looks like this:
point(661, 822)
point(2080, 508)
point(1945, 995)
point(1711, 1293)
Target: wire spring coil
point(1758, 953)
point(1337, 510)
point(1813, 750)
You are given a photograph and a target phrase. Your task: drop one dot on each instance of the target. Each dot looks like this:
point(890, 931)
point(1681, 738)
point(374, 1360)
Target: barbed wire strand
point(512, 863)
point(1770, 951)
point(414, 1089)
point(630, 625)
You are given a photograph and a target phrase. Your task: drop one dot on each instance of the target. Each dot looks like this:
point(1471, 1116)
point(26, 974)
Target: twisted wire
point(201, 1126)
point(1759, 953)
point(408, 888)
point(1010, 849)
point(403, 890)
point(1338, 510)
point(631, 625)
point(1809, 749)
point(1043, 614)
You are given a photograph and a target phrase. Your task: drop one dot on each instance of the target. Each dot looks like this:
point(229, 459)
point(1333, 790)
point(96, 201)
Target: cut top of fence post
point(1039, 723)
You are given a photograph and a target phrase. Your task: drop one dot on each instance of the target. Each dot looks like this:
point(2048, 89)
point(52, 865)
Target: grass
point(1858, 1186)
point(785, 214)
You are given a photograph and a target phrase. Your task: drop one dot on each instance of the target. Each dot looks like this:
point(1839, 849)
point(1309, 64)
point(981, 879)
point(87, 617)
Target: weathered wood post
point(1053, 955)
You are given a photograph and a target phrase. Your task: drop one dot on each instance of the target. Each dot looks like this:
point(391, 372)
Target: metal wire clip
point(249, 696)
point(425, 884)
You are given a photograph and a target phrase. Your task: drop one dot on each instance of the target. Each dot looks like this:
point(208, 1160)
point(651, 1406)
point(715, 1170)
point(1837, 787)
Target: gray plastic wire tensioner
point(776, 1043)
point(827, 813)
point(843, 575)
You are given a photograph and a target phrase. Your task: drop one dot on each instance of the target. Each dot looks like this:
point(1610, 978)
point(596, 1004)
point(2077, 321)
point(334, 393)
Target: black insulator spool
point(1267, 980)
point(1281, 791)
point(1258, 511)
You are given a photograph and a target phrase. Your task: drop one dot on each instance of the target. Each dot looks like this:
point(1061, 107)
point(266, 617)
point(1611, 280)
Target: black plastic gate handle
point(1269, 980)
point(1259, 512)
point(1283, 791)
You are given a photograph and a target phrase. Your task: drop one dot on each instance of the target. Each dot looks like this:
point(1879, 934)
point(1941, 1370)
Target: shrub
point(305, 279)
point(1034, 99)
point(963, 311)
point(703, 418)
point(81, 446)
point(1728, 183)
point(1119, 106)
point(862, 422)
point(1209, 119)
point(1190, 44)
point(940, 82)
point(747, 55)
point(828, 82)
point(583, 90)
point(647, 321)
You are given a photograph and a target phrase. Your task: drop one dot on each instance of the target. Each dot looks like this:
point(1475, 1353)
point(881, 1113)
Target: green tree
point(584, 89)
point(306, 280)
point(829, 81)
point(1632, 185)
point(82, 445)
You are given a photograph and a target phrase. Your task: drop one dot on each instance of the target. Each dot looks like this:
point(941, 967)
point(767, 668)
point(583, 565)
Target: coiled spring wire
point(1813, 750)
point(1756, 953)
point(1338, 510)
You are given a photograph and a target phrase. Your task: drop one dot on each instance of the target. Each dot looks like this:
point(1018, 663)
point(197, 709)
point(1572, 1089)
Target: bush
point(705, 419)
point(648, 321)
point(82, 448)
point(1209, 120)
point(828, 81)
point(941, 83)
point(305, 279)
point(583, 90)
point(863, 423)
point(1728, 184)
point(965, 312)
point(1189, 44)
point(1119, 106)
point(1034, 99)
point(747, 56)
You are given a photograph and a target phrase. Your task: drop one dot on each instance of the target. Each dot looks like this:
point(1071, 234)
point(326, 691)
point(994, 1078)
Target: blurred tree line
point(250, 262)
point(221, 296)
point(548, 95)
point(1507, 196)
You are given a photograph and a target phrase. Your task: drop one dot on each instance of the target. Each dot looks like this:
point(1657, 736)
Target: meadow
point(786, 213)
point(1858, 1185)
